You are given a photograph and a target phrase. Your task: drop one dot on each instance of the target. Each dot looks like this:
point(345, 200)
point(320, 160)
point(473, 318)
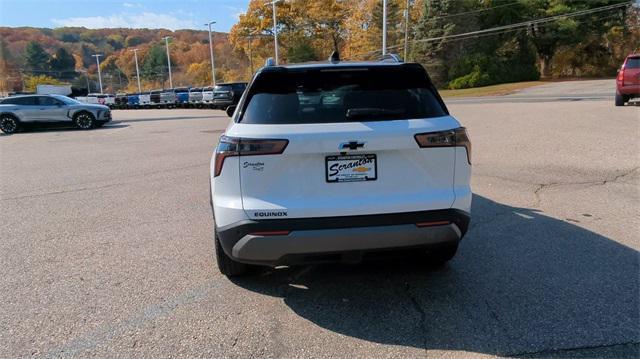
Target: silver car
point(16, 111)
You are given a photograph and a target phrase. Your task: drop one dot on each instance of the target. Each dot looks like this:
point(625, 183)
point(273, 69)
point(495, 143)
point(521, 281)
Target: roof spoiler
point(390, 58)
point(335, 57)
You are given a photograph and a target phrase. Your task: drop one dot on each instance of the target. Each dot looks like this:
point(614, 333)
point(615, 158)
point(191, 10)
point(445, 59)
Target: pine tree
point(36, 59)
point(64, 63)
point(154, 66)
point(394, 22)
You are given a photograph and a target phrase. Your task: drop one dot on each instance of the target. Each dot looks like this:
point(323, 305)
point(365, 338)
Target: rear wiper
point(372, 112)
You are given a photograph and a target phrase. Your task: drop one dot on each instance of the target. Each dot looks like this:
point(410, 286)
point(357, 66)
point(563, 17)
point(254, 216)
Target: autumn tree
point(31, 82)
point(10, 77)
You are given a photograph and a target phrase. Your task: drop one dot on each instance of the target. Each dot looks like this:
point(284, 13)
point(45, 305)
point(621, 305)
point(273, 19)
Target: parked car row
point(219, 97)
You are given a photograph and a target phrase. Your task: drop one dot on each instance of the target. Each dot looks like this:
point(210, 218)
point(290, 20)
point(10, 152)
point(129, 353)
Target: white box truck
point(64, 90)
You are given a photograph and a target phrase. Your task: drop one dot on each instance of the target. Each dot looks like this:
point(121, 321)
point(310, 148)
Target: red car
point(628, 80)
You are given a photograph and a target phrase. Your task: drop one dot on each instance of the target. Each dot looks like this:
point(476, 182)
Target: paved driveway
point(106, 249)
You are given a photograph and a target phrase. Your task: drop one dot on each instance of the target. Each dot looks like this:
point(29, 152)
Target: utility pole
point(135, 56)
point(406, 30)
point(86, 77)
point(99, 75)
point(384, 27)
point(275, 25)
point(250, 38)
point(166, 42)
point(213, 66)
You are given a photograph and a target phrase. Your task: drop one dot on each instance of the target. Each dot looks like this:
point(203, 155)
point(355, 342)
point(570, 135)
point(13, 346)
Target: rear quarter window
point(330, 95)
point(25, 101)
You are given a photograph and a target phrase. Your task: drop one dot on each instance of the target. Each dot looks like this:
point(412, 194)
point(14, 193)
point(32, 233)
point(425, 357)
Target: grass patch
point(493, 90)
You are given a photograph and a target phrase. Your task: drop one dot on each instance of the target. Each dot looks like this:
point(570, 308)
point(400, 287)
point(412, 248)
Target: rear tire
point(228, 266)
point(442, 255)
point(9, 124)
point(84, 120)
point(620, 100)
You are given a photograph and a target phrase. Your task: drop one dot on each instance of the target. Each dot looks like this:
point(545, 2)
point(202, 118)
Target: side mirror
point(230, 110)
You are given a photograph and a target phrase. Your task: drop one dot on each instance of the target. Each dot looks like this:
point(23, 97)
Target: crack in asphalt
point(556, 351)
point(544, 186)
point(423, 315)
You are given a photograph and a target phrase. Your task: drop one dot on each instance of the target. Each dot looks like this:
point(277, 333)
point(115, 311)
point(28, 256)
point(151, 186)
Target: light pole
point(213, 66)
point(135, 56)
point(384, 27)
point(86, 77)
point(166, 42)
point(275, 26)
point(250, 38)
point(99, 75)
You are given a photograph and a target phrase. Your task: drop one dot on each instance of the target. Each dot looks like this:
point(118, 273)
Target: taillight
point(449, 138)
point(621, 76)
point(234, 146)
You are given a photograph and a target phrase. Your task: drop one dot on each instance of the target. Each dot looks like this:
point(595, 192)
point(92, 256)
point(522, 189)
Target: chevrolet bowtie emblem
point(352, 145)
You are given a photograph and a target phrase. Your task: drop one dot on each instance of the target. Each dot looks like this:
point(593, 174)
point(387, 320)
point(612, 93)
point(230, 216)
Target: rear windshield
point(633, 63)
point(341, 95)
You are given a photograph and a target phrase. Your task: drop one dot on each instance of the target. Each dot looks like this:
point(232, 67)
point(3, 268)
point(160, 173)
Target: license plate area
point(351, 168)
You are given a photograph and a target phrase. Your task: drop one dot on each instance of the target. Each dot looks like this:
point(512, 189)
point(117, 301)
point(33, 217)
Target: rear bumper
point(629, 90)
point(316, 238)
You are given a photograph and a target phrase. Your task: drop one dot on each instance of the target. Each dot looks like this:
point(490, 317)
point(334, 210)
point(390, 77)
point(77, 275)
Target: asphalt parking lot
point(106, 248)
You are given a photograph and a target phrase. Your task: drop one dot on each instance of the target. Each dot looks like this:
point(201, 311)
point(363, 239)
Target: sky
point(168, 14)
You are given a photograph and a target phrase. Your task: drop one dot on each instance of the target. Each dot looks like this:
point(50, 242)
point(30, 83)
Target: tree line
point(587, 38)
point(462, 43)
point(29, 56)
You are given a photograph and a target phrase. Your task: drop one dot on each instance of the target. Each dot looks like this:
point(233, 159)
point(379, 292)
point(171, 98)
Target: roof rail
point(390, 58)
point(270, 62)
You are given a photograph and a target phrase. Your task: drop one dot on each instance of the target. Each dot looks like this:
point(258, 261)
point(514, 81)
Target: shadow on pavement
point(521, 283)
point(204, 117)
point(60, 127)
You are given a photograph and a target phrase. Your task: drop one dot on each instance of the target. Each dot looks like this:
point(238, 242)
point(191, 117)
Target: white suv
point(333, 161)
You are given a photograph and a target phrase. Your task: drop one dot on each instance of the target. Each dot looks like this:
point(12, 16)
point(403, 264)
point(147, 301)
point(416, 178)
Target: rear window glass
point(633, 63)
point(341, 95)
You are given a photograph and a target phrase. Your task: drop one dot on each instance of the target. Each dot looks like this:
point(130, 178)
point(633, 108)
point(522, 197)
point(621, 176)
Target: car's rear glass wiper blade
point(372, 111)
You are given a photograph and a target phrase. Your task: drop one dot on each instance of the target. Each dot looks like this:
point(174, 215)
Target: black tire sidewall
point(228, 266)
